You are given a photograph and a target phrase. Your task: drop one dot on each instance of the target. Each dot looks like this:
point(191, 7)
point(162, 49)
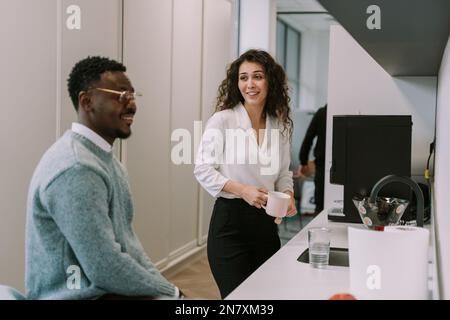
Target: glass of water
point(319, 247)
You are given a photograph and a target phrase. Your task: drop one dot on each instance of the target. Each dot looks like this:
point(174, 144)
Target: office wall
point(257, 25)
point(442, 172)
point(147, 55)
point(178, 68)
point(176, 53)
point(186, 102)
point(38, 51)
point(358, 85)
point(29, 89)
point(94, 38)
point(219, 50)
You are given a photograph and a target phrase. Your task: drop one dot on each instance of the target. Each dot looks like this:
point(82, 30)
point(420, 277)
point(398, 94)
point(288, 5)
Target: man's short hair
point(87, 72)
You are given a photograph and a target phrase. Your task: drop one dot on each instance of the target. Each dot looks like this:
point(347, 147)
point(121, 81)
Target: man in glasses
point(80, 242)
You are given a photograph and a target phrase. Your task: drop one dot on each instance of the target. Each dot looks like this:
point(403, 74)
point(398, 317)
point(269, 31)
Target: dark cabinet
point(411, 37)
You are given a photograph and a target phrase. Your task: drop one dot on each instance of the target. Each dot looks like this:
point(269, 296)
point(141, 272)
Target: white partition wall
point(186, 102)
point(147, 55)
point(219, 50)
point(258, 25)
point(442, 174)
point(176, 53)
point(166, 66)
point(100, 34)
point(29, 105)
point(38, 52)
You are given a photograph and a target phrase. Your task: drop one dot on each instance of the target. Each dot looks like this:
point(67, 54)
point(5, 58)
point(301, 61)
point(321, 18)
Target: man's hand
point(303, 171)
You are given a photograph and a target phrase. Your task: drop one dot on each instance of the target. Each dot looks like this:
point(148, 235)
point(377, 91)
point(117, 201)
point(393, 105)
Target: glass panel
point(292, 54)
point(281, 30)
point(294, 94)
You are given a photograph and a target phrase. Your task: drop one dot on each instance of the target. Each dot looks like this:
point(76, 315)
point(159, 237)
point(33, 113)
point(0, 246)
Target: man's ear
point(84, 100)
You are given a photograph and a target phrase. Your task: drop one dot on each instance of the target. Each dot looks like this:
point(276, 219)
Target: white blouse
point(229, 151)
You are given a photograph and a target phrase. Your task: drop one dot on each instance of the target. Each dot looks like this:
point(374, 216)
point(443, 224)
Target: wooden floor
point(196, 281)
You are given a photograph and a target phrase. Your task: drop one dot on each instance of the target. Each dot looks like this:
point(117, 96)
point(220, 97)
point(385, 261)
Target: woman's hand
point(292, 209)
point(254, 196)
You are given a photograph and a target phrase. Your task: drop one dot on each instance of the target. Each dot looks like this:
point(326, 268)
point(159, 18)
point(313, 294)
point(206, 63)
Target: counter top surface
point(282, 277)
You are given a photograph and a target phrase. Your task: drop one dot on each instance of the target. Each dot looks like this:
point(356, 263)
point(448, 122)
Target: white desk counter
point(282, 277)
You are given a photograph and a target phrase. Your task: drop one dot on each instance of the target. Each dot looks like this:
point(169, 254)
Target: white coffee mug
point(277, 204)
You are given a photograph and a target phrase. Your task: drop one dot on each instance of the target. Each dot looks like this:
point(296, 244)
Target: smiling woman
point(253, 84)
point(265, 73)
point(253, 98)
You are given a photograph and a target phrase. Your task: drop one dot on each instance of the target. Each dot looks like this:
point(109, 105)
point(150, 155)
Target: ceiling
point(301, 22)
point(304, 15)
point(299, 5)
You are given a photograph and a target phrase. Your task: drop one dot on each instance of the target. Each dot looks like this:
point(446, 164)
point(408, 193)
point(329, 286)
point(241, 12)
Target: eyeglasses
point(124, 96)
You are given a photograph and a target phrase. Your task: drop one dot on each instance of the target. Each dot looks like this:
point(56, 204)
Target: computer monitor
point(366, 148)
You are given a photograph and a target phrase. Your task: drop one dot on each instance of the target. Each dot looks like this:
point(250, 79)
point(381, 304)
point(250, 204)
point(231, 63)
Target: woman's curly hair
point(277, 101)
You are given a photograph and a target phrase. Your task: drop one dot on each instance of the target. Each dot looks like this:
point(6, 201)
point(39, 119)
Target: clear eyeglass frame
point(124, 96)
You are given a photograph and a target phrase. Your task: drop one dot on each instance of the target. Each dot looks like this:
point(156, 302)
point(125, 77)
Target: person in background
point(253, 98)
point(317, 128)
point(80, 243)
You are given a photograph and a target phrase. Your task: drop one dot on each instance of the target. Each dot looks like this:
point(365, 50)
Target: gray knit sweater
point(80, 242)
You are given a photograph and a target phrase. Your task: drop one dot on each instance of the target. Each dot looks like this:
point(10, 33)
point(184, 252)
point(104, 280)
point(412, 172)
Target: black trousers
point(240, 239)
point(319, 181)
